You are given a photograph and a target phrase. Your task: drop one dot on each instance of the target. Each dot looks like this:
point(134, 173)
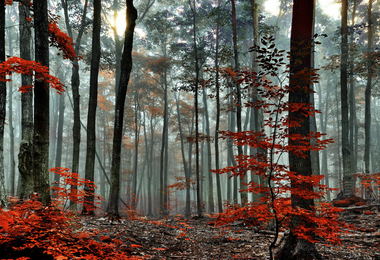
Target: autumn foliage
point(31, 230)
point(273, 206)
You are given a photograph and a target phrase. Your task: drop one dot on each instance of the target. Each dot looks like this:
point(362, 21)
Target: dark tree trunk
point(41, 104)
point(367, 112)
point(25, 155)
point(88, 206)
point(75, 83)
point(348, 180)
point(301, 36)
point(126, 67)
point(3, 92)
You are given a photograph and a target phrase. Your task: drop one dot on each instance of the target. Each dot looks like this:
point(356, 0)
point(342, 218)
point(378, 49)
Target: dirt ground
point(176, 238)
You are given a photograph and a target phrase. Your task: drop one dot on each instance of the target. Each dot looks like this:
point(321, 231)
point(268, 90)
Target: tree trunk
point(208, 143)
point(41, 104)
point(348, 180)
point(10, 120)
point(88, 206)
point(217, 119)
point(75, 83)
point(3, 92)
point(199, 201)
point(58, 154)
point(367, 111)
point(25, 160)
point(301, 36)
point(126, 67)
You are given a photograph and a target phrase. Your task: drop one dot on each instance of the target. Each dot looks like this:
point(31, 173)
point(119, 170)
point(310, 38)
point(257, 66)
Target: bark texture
point(41, 104)
point(301, 37)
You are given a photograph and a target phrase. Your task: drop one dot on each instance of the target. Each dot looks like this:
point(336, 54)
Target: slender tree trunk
point(197, 172)
point(10, 122)
point(135, 162)
point(367, 111)
point(243, 195)
point(41, 104)
point(208, 143)
point(75, 83)
point(348, 180)
point(217, 119)
point(25, 156)
point(58, 154)
point(126, 67)
point(88, 206)
point(3, 92)
point(352, 101)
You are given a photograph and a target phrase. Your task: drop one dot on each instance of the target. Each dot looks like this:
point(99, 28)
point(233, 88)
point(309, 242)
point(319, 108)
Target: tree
point(92, 104)
point(41, 104)
point(126, 67)
point(25, 154)
point(75, 83)
point(3, 92)
point(348, 180)
point(300, 69)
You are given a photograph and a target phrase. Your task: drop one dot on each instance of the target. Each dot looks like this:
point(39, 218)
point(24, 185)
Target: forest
point(189, 129)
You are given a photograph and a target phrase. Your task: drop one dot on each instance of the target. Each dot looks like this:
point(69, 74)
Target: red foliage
point(277, 182)
point(21, 66)
point(61, 41)
point(64, 191)
point(31, 230)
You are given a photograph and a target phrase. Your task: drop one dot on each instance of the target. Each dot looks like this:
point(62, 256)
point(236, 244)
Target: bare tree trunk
point(41, 104)
point(367, 111)
point(88, 206)
point(126, 67)
point(199, 201)
point(3, 92)
point(25, 159)
point(348, 180)
point(10, 122)
point(75, 83)
point(217, 119)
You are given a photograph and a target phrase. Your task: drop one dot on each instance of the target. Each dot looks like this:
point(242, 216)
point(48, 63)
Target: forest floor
point(176, 238)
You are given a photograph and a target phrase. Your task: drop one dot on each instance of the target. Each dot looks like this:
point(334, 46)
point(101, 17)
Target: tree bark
point(348, 180)
point(88, 206)
point(126, 67)
point(3, 92)
point(41, 104)
point(301, 37)
point(25, 161)
point(75, 83)
point(367, 111)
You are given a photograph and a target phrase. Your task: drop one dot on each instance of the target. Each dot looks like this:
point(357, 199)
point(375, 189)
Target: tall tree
point(3, 92)
point(196, 85)
point(41, 104)
point(126, 67)
point(348, 180)
point(300, 72)
point(92, 104)
point(367, 112)
point(25, 154)
point(243, 195)
point(75, 83)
